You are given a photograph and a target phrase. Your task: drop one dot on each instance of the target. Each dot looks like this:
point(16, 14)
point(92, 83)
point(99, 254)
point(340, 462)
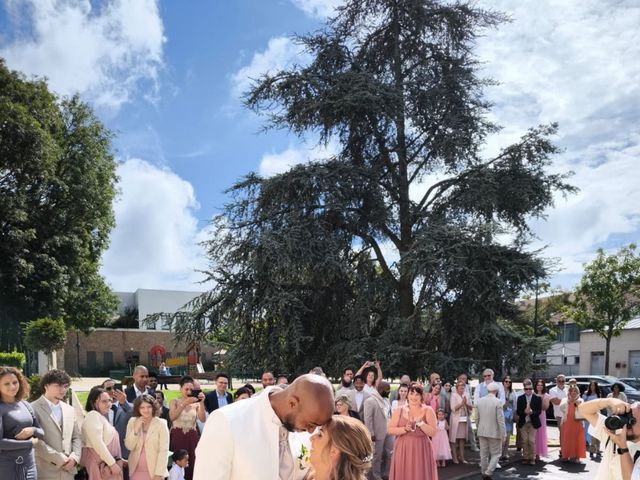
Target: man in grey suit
point(491, 431)
point(377, 412)
point(58, 453)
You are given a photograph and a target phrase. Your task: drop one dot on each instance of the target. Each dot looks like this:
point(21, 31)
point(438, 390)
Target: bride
point(340, 450)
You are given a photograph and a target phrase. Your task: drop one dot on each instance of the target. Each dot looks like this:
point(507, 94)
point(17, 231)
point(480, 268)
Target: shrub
point(34, 387)
point(13, 359)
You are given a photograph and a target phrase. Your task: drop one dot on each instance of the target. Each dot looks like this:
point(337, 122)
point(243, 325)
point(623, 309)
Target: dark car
point(604, 382)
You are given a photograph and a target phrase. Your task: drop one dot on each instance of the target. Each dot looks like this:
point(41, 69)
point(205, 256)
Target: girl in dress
point(541, 433)
point(413, 456)
point(441, 440)
point(183, 413)
point(19, 429)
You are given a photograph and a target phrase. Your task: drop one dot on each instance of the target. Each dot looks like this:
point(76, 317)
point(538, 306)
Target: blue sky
point(166, 77)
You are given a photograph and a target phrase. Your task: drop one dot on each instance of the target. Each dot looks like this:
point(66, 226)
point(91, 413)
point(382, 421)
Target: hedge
point(13, 359)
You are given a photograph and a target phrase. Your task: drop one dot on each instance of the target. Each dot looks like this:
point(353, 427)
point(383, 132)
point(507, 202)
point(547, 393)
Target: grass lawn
point(168, 396)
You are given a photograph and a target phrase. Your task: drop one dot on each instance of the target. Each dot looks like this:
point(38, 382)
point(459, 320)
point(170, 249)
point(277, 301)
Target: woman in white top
point(147, 440)
point(401, 401)
point(101, 443)
point(372, 374)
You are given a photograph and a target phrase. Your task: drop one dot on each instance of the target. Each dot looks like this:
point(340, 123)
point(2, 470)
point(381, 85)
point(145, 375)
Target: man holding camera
point(623, 415)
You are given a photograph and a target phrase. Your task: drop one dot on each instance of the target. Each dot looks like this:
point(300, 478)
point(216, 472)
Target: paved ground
point(548, 469)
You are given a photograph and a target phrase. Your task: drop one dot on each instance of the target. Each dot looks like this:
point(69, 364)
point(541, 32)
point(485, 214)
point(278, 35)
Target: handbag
point(462, 419)
point(82, 474)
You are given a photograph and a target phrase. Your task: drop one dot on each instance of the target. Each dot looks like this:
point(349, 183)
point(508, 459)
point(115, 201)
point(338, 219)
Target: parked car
point(604, 382)
point(634, 382)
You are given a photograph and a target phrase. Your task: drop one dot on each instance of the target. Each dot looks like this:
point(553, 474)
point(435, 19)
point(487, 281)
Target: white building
point(148, 302)
point(624, 355)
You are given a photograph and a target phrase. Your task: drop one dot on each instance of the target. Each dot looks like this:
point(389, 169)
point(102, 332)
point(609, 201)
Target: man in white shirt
point(557, 394)
point(58, 453)
point(357, 396)
point(250, 439)
point(610, 466)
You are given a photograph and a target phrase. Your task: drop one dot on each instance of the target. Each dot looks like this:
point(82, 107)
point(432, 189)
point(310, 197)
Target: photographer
point(614, 452)
point(629, 472)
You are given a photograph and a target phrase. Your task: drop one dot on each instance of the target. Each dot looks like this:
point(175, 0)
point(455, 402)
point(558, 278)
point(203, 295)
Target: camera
point(616, 422)
point(195, 392)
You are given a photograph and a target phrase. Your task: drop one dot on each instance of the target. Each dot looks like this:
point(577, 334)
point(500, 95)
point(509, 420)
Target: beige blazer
point(58, 443)
point(156, 446)
point(490, 417)
point(97, 433)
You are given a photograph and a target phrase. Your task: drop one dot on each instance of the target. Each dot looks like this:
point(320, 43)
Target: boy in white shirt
point(180, 461)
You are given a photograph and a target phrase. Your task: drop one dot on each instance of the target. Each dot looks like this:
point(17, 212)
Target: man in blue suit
point(140, 381)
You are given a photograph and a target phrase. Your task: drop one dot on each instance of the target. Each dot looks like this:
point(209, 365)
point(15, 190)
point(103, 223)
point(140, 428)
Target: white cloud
point(281, 52)
point(275, 163)
point(155, 241)
point(106, 54)
point(318, 8)
point(575, 62)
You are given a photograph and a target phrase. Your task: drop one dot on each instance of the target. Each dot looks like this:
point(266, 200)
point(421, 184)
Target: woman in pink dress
point(541, 433)
point(413, 455)
point(432, 398)
point(100, 441)
point(147, 440)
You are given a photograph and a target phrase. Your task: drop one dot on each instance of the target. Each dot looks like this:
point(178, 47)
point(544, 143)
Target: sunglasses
point(528, 388)
point(507, 381)
point(109, 389)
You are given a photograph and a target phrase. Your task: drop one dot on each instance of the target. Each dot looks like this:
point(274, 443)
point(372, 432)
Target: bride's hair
point(353, 440)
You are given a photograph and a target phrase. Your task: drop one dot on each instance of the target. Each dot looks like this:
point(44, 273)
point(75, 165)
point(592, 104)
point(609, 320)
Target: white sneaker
point(498, 466)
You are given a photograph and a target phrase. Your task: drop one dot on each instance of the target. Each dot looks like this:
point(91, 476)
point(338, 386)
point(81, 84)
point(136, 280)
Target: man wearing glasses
point(528, 408)
point(58, 453)
point(482, 388)
point(558, 393)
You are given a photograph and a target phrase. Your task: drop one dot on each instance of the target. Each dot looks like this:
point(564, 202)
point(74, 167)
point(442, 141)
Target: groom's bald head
point(306, 404)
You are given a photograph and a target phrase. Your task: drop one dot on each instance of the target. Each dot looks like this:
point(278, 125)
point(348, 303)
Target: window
point(107, 359)
point(165, 318)
point(576, 360)
point(568, 332)
point(150, 326)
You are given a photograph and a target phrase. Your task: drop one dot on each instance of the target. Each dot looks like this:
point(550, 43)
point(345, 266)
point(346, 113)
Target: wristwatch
point(419, 424)
point(622, 450)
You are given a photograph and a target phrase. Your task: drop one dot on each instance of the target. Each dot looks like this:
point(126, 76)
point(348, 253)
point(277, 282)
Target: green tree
point(46, 335)
point(608, 295)
point(57, 185)
point(302, 260)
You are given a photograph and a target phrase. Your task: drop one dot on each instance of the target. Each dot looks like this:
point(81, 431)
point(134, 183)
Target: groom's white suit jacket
point(241, 442)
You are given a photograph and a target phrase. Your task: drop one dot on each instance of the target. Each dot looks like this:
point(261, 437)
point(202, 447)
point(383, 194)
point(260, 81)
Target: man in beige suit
point(377, 412)
point(59, 452)
point(491, 431)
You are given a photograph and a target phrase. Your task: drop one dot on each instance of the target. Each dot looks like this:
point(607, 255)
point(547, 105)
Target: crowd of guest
point(127, 433)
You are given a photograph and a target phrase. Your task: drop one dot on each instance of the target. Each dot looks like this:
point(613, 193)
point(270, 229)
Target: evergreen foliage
point(395, 248)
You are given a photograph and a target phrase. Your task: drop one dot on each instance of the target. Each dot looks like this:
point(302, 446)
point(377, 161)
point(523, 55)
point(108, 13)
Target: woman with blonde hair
point(340, 450)
point(572, 443)
point(147, 440)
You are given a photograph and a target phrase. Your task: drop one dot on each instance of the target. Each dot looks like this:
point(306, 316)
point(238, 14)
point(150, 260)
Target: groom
point(249, 439)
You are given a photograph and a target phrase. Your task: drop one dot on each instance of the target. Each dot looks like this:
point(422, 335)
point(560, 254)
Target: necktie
point(286, 458)
point(115, 409)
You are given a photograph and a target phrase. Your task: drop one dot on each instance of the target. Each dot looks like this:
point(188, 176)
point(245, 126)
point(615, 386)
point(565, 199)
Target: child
point(441, 440)
point(180, 461)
